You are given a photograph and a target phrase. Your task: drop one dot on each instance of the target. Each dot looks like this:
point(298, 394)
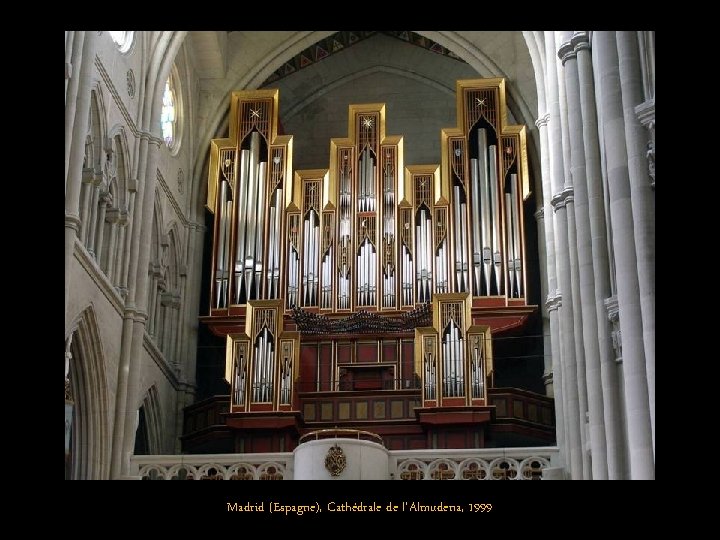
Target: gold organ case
point(403, 272)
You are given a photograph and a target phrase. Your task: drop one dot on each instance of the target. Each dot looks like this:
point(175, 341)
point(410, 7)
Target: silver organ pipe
point(221, 272)
point(441, 267)
point(464, 243)
point(453, 361)
point(269, 367)
point(366, 182)
point(477, 370)
point(239, 397)
point(494, 216)
point(242, 188)
point(293, 265)
point(274, 224)
point(372, 274)
point(249, 266)
point(423, 250)
point(460, 246)
point(327, 263)
point(440, 244)
point(454, 366)
point(447, 359)
point(260, 233)
point(285, 380)
point(485, 207)
point(311, 246)
point(429, 376)
point(256, 372)
point(344, 236)
point(477, 238)
point(388, 237)
point(264, 364)
point(516, 250)
point(407, 270)
point(509, 248)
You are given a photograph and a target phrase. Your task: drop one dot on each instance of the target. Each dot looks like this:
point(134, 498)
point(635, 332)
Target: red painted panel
point(455, 439)
point(453, 401)
point(261, 444)
point(417, 444)
point(325, 359)
point(389, 351)
point(367, 352)
point(408, 372)
point(255, 407)
point(308, 367)
point(344, 353)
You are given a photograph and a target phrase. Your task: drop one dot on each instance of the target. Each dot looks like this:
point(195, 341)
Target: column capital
point(566, 52)
point(552, 303)
point(613, 309)
point(540, 214)
point(548, 378)
point(106, 197)
point(646, 113)
point(568, 194)
point(88, 173)
point(122, 291)
point(542, 120)
point(112, 215)
point(580, 41)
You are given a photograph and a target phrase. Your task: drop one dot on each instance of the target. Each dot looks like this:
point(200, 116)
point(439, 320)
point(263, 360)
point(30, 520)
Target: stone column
point(112, 216)
point(152, 304)
point(132, 242)
point(93, 216)
point(73, 61)
point(636, 391)
point(551, 306)
point(119, 255)
point(105, 201)
point(646, 110)
point(547, 350)
point(126, 232)
point(600, 262)
point(585, 265)
point(642, 199)
point(567, 347)
point(76, 153)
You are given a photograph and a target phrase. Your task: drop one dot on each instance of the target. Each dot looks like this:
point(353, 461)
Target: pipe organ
point(353, 255)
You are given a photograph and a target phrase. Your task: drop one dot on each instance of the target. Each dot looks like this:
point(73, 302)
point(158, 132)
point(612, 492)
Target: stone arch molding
point(91, 459)
point(153, 420)
point(256, 75)
point(329, 87)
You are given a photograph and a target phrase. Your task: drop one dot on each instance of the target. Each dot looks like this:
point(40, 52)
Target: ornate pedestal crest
point(335, 461)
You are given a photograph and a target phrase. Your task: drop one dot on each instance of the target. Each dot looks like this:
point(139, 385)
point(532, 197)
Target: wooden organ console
point(366, 294)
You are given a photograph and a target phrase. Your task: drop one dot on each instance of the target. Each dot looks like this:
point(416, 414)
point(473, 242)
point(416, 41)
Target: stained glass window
point(167, 116)
point(122, 39)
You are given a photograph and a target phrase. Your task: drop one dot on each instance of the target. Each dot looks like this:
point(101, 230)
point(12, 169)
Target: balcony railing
point(477, 464)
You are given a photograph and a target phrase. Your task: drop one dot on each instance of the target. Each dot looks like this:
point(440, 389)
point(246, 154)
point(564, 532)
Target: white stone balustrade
point(534, 463)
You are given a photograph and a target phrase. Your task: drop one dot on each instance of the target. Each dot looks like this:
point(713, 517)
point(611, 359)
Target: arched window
point(123, 40)
point(168, 115)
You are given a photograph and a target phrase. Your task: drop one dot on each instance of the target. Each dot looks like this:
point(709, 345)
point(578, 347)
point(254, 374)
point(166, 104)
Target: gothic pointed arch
point(91, 424)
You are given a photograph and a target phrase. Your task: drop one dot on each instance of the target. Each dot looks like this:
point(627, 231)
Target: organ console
point(319, 272)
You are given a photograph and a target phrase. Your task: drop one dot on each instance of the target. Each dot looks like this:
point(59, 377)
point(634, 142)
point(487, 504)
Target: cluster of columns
point(596, 130)
point(131, 275)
